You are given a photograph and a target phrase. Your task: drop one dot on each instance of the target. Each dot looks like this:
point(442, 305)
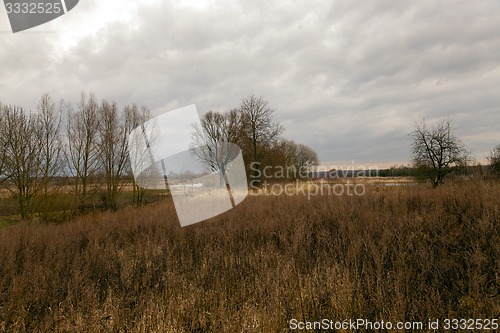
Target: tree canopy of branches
point(113, 136)
point(494, 160)
point(135, 116)
point(298, 158)
point(258, 130)
point(84, 151)
point(22, 162)
point(437, 151)
point(38, 149)
point(252, 128)
point(214, 141)
point(51, 147)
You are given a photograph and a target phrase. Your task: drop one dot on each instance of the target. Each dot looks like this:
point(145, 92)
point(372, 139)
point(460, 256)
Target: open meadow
point(396, 253)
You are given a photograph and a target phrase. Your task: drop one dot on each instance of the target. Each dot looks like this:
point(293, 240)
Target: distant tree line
point(80, 153)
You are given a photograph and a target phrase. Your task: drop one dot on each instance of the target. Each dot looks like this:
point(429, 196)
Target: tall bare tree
point(21, 141)
point(49, 120)
point(214, 141)
point(259, 131)
point(84, 151)
point(113, 132)
point(135, 117)
point(437, 151)
point(2, 158)
point(2, 147)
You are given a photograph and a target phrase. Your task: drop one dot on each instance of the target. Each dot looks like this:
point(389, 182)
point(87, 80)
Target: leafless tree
point(214, 141)
point(2, 159)
point(494, 160)
point(2, 147)
point(113, 133)
point(84, 151)
point(135, 117)
point(49, 119)
point(49, 123)
point(21, 141)
point(298, 158)
point(437, 151)
point(259, 131)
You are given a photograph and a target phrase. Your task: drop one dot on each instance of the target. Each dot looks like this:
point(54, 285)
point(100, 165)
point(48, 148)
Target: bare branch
point(437, 150)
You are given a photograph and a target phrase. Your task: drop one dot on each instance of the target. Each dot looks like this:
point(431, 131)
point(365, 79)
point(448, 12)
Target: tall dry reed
point(394, 254)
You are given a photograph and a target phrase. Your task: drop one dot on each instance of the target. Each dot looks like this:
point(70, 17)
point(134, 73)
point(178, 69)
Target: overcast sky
point(348, 78)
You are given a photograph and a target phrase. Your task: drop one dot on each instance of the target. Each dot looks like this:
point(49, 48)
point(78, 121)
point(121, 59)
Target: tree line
point(81, 151)
point(86, 145)
point(252, 128)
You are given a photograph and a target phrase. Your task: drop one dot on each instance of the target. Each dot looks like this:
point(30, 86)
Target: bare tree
point(83, 144)
point(298, 158)
point(21, 141)
point(2, 147)
point(136, 117)
point(234, 127)
point(306, 159)
point(2, 158)
point(437, 151)
point(113, 132)
point(49, 120)
point(259, 131)
point(214, 142)
point(494, 160)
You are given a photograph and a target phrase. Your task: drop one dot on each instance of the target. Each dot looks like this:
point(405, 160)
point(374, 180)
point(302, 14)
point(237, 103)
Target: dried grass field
point(394, 254)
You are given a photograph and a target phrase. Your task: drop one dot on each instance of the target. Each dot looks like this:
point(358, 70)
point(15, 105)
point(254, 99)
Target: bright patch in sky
point(92, 17)
point(198, 4)
point(95, 16)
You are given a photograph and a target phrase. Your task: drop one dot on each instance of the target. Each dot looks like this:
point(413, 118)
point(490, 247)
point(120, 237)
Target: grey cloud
point(348, 78)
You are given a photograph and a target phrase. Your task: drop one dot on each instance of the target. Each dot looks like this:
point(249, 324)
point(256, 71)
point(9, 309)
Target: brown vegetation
point(398, 253)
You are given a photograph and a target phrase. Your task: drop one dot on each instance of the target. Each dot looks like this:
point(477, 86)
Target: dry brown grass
point(401, 253)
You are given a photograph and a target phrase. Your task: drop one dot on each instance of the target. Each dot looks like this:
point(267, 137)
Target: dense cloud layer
point(348, 78)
